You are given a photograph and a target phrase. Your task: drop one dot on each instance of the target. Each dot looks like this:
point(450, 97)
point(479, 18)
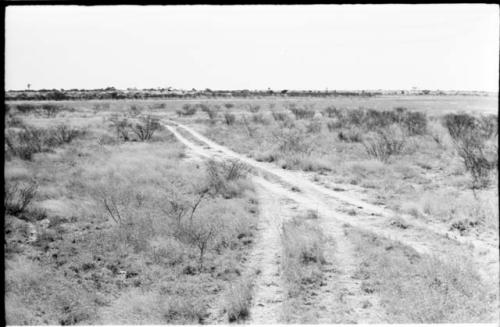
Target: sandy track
point(332, 207)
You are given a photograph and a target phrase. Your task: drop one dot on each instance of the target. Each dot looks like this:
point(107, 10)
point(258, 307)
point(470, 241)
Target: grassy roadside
point(417, 288)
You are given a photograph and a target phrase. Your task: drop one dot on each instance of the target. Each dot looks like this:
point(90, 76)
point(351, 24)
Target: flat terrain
point(250, 211)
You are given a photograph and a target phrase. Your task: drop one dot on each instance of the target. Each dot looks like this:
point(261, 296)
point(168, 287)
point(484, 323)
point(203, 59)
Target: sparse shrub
point(7, 108)
point(488, 125)
point(187, 110)
point(439, 134)
point(350, 135)
point(302, 113)
point(121, 126)
point(238, 301)
point(222, 176)
point(26, 142)
point(314, 126)
point(229, 105)
point(355, 116)
point(211, 112)
point(63, 133)
point(200, 231)
point(146, 127)
point(14, 121)
point(279, 116)
point(293, 141)
point(415, 123)
point(18, 196)
point(385, 143)
point(135, 110)
point(333, 125)
point(26, 108)
point(51, 110)
point(258, 118)
point(331, 112)
point(253, 108)
point(469, 140)
point(229, 118)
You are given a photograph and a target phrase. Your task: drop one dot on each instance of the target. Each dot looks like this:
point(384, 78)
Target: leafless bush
point(146, 127)
point(201, 233)
point(221, 175)
point(18, 196)
point(229, 118)
point(385, 143)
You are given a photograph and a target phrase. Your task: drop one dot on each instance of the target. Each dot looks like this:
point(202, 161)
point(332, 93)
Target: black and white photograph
point(251, 164)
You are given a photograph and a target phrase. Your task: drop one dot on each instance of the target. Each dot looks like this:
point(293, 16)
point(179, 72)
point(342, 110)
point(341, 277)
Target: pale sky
point(449, 47)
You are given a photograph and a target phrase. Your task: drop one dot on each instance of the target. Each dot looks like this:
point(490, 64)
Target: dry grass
point(111, 247)
point(422, 289)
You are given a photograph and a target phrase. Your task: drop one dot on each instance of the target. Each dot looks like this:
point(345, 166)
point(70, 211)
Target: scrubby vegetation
point(421, 289)
point(118, 232)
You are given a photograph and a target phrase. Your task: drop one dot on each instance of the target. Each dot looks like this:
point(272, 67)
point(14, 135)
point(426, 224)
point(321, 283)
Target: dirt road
point(279, 188)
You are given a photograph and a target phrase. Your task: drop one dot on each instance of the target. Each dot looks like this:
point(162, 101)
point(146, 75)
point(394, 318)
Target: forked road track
point(331, 207)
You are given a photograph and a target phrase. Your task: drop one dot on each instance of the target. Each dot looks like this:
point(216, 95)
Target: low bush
point(229, 105)
point(470, 140)
point(314, 126)
point(135, 110)
point(187, 110)
point(63, 133)
point(302, 113)
point(385, 143)
point(121, 125)
point(51, 110)
point(224, 177)
point(211, 112)
point(350, 135)
point(229, 118)
point(253, 108)
point(331, 112)
point(26, 108)
point(258, 118)
point(146, 127)
point(279, 116)
point(18, 196)
point(25, 143)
